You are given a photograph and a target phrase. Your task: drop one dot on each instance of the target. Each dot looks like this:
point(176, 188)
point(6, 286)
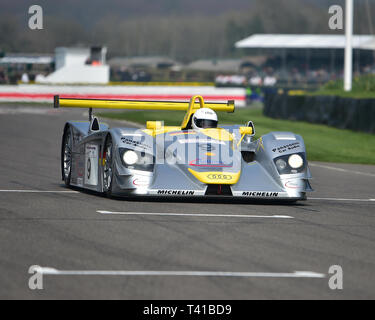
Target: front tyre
point(108, 165)
point(66, 155)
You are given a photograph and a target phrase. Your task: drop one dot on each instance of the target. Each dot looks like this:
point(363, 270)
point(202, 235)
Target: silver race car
point(196, 159)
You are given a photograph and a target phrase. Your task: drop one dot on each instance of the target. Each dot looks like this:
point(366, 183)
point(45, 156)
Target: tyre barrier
point(344, 113)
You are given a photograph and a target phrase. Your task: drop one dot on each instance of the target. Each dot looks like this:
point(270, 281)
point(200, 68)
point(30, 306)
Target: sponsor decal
point(176, 192)
point(79, 166)
point(91, 164)
point(261, 194)
point(80, 171)
point(215, 176)
point(287, 147)
point(140, 182)
point(296, 184)
point(134, 143)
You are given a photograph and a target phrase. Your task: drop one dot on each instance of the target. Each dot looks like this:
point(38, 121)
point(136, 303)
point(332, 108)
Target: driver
point(204, 118)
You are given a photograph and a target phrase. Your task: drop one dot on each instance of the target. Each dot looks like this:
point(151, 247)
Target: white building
point(79, 66)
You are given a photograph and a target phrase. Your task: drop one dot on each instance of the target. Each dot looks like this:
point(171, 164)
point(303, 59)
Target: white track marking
point(341, 170)
point(295, 274)
point(194, 214)
point(341, 199)
point(41, 191)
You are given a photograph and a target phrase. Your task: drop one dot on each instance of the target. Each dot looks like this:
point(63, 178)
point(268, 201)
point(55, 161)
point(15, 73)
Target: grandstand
point(310, 58)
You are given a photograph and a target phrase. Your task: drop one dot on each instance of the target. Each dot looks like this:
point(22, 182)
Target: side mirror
point(94, 124)
point(250, 124)
point(245, 131)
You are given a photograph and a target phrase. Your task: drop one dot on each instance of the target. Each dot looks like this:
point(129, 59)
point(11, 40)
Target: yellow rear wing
point(189, 106)
point(140, 104)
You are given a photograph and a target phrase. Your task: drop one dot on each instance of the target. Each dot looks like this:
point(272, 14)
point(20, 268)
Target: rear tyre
point(66, 155)
point(108, 165)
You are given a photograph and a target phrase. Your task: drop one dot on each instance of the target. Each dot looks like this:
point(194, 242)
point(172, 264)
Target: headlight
point(281, 164)
point(137, 160)
point(291, 163)
point(130, 157)
point(295, 161)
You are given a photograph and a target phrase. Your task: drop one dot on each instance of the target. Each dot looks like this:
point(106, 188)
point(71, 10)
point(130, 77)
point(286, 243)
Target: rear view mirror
point(251, 125)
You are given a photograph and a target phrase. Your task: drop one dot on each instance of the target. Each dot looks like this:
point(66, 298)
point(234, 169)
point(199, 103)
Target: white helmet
point(204, 118)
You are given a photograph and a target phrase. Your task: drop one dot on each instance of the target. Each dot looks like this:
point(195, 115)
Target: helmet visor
point(205, 123)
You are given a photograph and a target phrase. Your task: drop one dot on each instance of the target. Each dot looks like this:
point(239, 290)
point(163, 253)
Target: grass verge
point(363, 87)
point(323, 143)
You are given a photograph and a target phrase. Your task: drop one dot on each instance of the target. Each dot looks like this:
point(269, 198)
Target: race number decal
point(91, 164)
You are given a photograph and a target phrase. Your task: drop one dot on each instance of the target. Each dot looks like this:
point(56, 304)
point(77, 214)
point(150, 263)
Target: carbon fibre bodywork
point(186, 163)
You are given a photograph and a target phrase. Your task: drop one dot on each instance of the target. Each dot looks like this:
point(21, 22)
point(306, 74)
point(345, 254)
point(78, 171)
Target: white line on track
point(41, 191)
point(295, 274)
point(342, 199)
point(341, 169)
point(194, 214)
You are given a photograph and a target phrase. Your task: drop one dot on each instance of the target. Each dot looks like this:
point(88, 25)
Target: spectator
point(255, 81)
point(269, 81)
point(2, 76)
point(25, 78)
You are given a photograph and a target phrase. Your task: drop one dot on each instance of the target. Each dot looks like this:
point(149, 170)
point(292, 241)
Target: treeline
point(184, 37)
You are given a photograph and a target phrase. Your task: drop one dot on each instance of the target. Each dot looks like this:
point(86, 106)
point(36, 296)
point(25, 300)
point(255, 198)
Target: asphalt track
point(65, 231)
